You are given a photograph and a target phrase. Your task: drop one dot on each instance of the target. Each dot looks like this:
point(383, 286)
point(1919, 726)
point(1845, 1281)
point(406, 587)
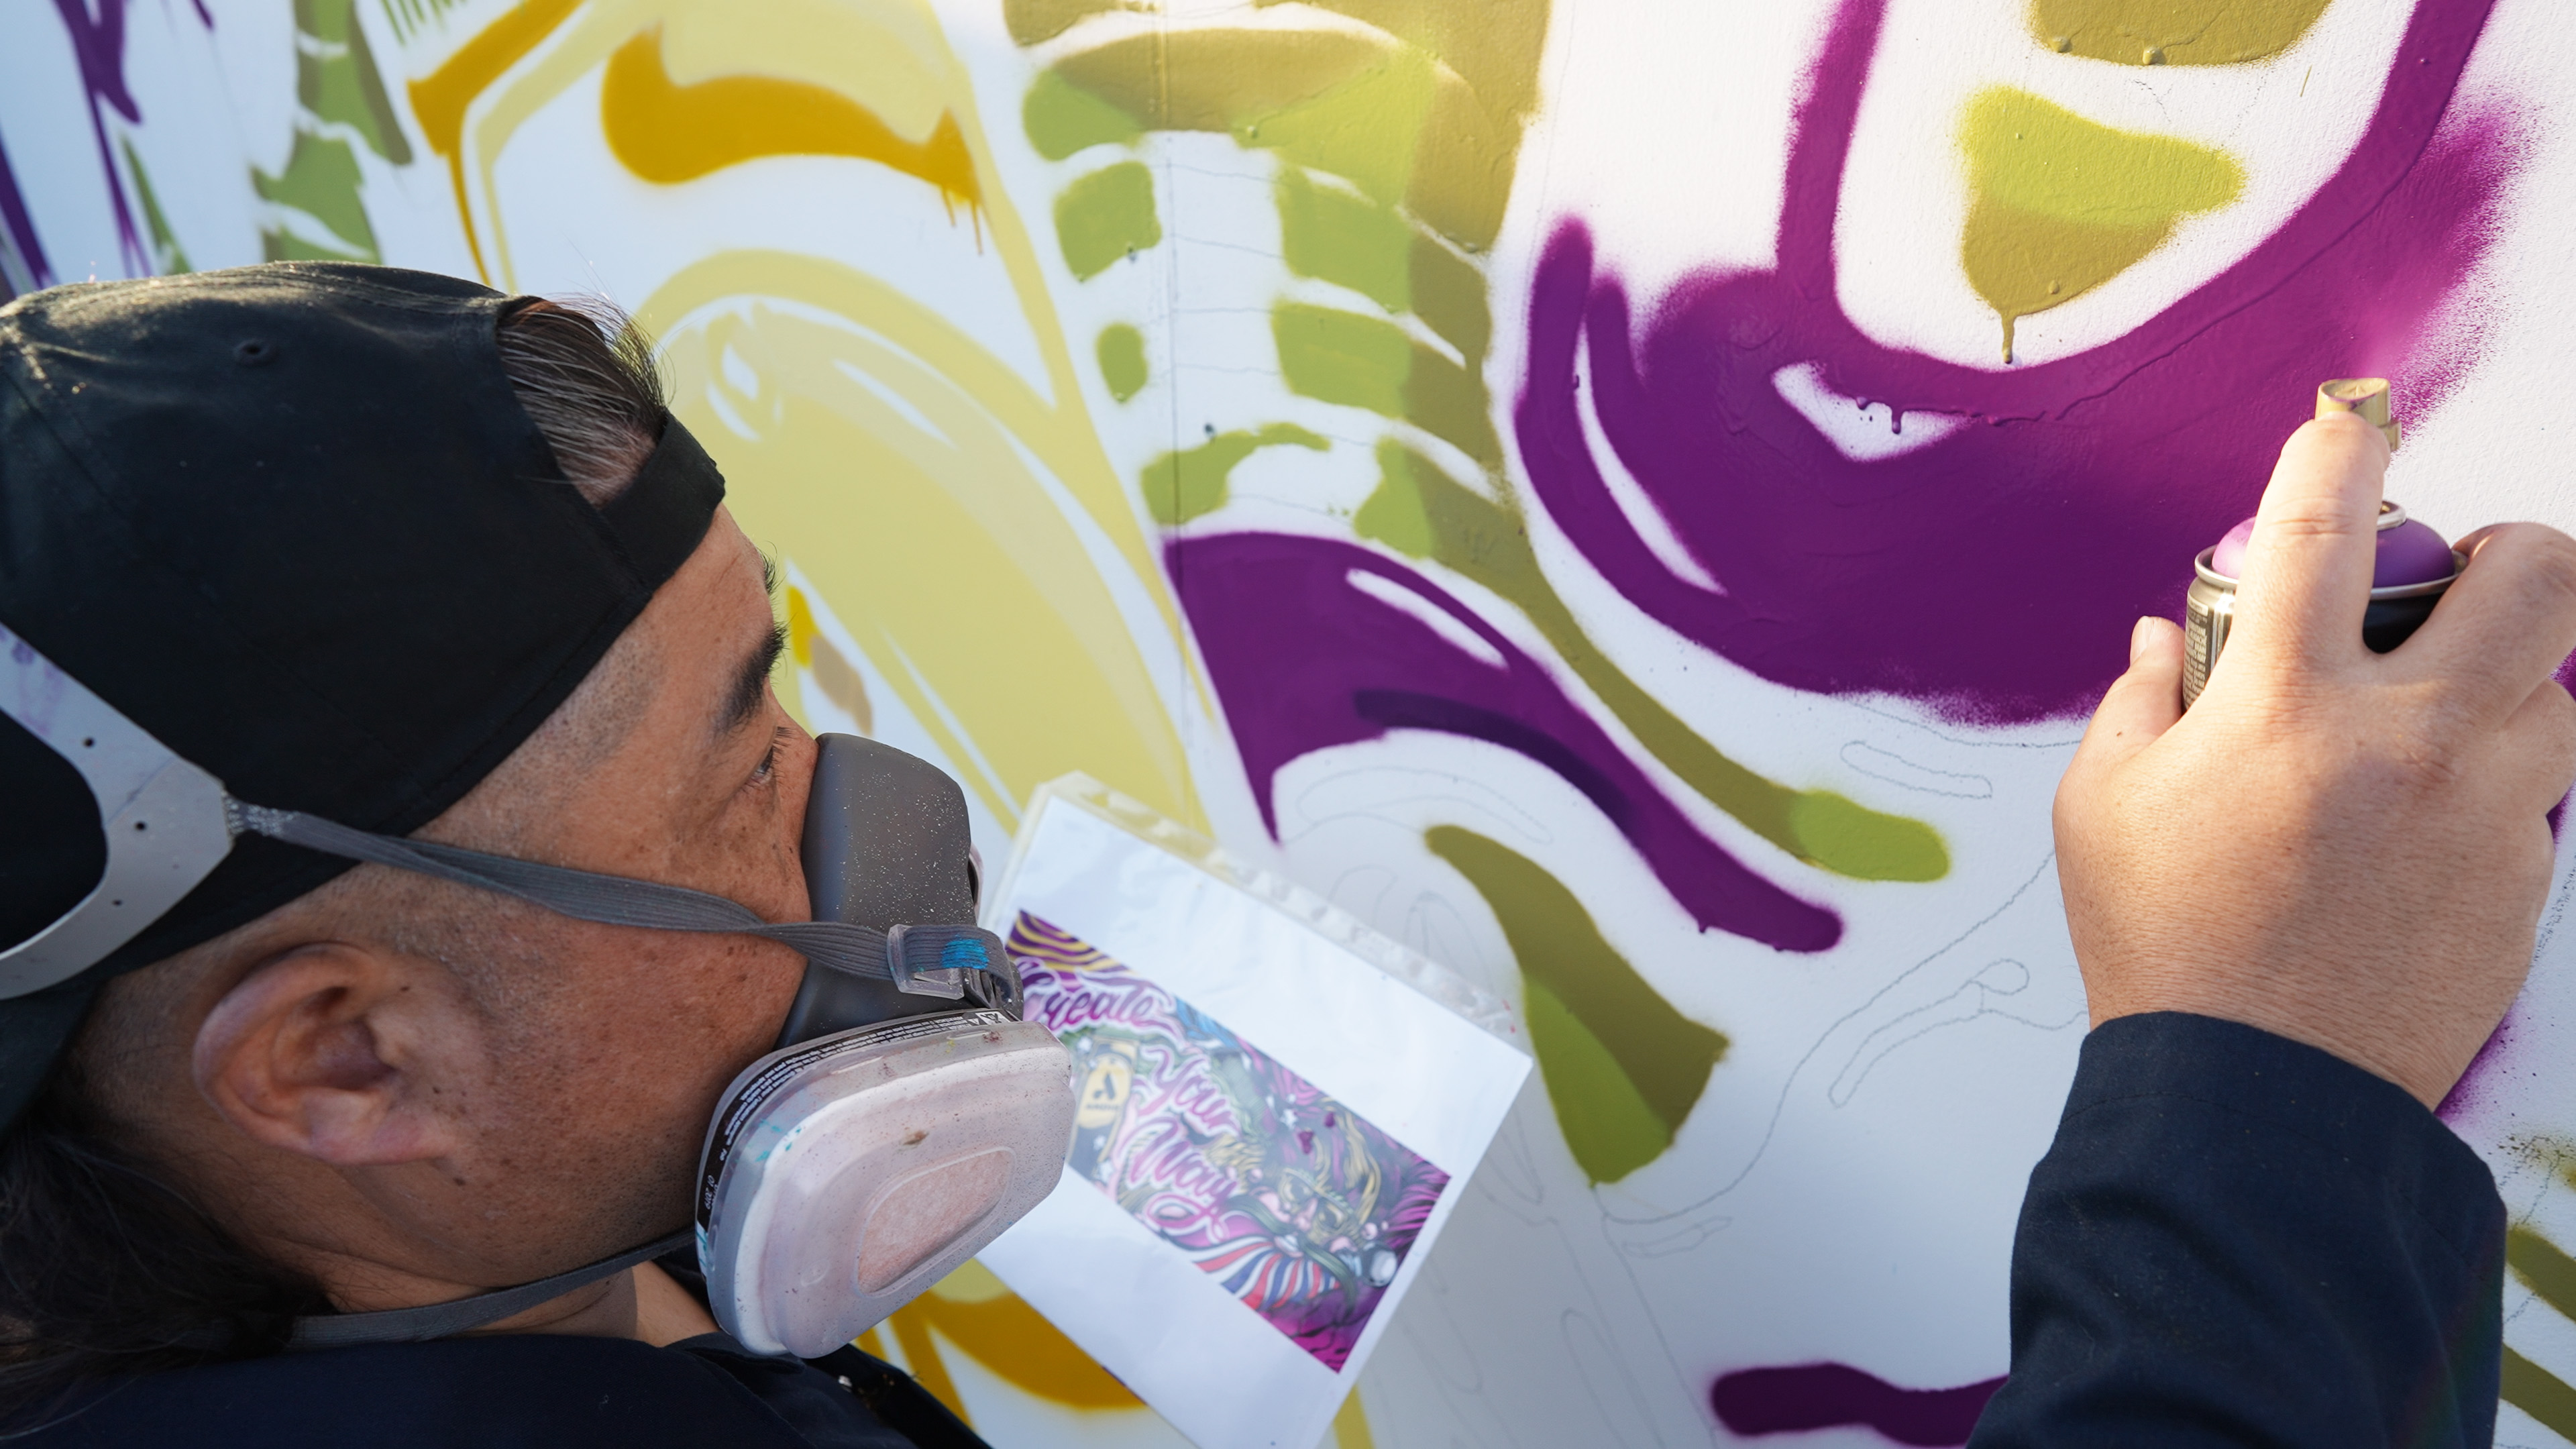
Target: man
point(423, 560)
point(2300, 910)
point(374, 544)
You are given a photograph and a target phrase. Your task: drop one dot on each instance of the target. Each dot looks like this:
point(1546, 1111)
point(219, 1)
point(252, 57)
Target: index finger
point(2307, 567)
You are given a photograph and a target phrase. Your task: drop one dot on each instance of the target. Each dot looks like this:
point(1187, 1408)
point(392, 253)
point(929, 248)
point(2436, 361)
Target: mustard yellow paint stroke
point(936, 547)
point(2059, 204)
point(668, 133)
point(891, 57)
point(440, 99)
point(1351, 1425)
point(2173, 32)
point(834, 675)
point(998, 1329)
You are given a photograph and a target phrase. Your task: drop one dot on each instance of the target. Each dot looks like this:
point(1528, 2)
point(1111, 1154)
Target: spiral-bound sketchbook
point(1278, 1108)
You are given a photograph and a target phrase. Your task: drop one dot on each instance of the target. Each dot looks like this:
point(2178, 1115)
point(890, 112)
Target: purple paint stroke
point(1831, 1395)
point(2477, 1085)
point(98, 43)
point(1305, 661)
point(22, 231)
point(1994, 573)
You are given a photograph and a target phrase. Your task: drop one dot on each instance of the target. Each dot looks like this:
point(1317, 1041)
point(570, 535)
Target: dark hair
point(108, 1270)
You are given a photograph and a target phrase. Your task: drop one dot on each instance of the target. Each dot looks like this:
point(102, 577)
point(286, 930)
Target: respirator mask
point(907, 1116)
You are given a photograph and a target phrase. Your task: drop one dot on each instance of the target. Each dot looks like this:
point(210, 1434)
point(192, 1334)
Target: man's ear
point(337, 1052)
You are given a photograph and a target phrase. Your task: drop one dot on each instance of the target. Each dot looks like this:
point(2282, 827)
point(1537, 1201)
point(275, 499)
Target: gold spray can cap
point(2367, 396)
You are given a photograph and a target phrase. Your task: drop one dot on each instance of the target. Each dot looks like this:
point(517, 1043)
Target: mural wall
point(1633, 497)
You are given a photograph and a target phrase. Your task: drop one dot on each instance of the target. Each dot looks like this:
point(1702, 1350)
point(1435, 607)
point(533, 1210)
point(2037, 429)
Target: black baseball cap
point(292, 521)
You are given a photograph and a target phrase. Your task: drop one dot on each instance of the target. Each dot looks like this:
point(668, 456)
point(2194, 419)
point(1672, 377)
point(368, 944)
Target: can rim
point(2459, 561)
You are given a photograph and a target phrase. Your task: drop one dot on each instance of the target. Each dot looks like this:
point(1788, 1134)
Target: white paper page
point(1173, 1316)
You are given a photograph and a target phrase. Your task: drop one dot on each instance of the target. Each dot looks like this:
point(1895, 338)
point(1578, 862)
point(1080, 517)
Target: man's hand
point(2339, 847)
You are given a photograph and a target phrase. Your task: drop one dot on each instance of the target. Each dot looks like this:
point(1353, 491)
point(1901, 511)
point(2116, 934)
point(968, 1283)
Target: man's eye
point(768, 765)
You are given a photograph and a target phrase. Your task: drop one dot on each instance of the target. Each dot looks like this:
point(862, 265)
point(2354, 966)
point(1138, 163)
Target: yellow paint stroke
point(2059, 204)
point(890, 455)
point(836, 676)
point(440, 99)
point(974, 1310)
point(2173, 32)
point(669, 133)
point(890, 57)
point(1351, 1425)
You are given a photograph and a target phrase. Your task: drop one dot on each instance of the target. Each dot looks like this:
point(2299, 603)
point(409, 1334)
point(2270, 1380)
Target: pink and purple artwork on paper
point(1301, 1208)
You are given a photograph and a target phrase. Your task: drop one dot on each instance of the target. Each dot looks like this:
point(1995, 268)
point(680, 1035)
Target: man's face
point(610, 1045)
point(398, 1073)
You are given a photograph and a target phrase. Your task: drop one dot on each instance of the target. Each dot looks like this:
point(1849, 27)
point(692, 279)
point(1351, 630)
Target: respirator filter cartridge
point(843, 1176)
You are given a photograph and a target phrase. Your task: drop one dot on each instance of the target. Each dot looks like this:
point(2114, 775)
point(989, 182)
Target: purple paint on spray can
point(2413, 568)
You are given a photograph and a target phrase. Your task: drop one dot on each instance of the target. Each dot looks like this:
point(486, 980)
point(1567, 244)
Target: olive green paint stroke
point(1063, 118)
point(1493, 45)
point(1387, 118)
point(2060, 204)
point(2551, 1276)
point(1182, 486)
point(1033, 21)
point(2548, 1272)
point(1343, 357)
point(337, 80)
point(2541, 1394)
point(1351, 241)
point(321, 180)
point(168, 259)
point(2173, 32)
point(1623, 1068)
point(1106, 216)
point(1122, 360)
point(1605, 1122)
point(1423, 513)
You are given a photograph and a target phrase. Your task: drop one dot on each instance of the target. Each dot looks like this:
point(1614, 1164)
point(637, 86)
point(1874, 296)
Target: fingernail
point(2138, 638)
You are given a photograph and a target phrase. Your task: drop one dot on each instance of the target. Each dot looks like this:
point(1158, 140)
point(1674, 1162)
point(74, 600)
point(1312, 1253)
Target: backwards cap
point(292, 521)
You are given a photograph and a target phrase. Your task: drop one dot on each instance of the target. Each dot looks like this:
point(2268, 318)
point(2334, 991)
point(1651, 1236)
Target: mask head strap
point(163, 818)
point(169, 824)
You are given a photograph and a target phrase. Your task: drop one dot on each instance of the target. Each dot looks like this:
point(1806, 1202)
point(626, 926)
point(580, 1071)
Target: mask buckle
point(933, 960)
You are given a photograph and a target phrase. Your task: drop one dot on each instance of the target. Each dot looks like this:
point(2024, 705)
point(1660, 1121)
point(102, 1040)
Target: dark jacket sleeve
point(2240, 1240)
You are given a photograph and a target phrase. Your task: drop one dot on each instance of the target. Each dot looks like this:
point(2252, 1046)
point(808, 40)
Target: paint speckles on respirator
point(887, 1140)
point(843, 1177)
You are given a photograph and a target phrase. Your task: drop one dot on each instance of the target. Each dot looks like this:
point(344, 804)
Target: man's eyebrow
point(743, 700)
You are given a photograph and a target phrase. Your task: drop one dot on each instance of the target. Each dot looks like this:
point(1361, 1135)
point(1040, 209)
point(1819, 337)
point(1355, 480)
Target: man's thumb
point(2143, 703)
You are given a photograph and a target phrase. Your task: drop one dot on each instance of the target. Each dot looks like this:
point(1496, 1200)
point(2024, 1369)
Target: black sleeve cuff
point(2237, 1239)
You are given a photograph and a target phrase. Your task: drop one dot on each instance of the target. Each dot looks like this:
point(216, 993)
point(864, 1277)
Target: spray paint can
point(2413, 569)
